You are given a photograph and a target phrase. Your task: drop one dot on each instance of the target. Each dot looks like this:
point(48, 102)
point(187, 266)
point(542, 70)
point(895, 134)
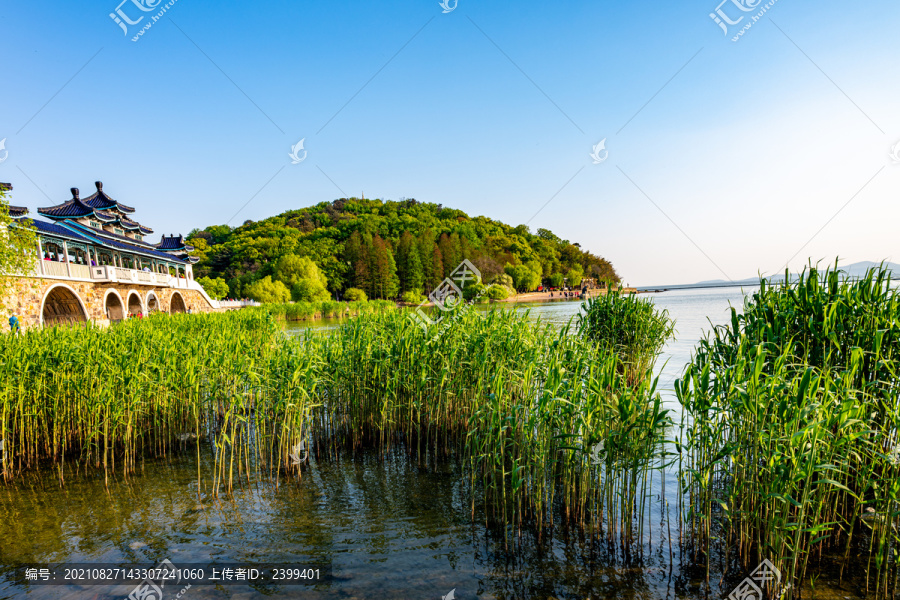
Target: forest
point(381, 249)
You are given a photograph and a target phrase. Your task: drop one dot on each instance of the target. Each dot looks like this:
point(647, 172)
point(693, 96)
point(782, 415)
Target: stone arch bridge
point(42, 301)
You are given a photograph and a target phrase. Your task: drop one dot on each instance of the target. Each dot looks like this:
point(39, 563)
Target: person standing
point(14, 326)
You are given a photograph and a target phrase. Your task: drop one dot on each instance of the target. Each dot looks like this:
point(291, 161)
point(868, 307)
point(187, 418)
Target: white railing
point(80, 271)
point(237, 303)
point(61, 270)
point(55, 269)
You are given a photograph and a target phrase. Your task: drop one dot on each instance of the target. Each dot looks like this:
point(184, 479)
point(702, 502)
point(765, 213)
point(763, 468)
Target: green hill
point(384, 248)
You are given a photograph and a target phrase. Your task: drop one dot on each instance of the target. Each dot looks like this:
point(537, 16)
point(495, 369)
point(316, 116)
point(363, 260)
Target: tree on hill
point(423, 241)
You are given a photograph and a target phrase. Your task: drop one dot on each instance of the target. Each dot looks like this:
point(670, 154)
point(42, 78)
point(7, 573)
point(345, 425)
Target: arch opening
point(152, 303)
point(135, 307)
point(176, 305)
point(62, 307)
point(114, 309)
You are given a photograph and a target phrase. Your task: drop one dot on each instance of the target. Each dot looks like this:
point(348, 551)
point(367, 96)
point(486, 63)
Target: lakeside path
point(538, 297)
point(545, 296)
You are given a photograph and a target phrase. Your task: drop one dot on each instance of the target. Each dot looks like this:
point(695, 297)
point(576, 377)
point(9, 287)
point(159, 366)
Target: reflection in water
point(391, 527)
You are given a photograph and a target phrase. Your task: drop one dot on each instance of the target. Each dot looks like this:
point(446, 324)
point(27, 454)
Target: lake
point(388, 527)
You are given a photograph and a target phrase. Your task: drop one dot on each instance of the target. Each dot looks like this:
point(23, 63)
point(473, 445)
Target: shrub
point(268, 291)
point(355, 295)
point(413, 297)
point(498, 292)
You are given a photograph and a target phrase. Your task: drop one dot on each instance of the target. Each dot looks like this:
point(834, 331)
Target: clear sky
point(724, 158)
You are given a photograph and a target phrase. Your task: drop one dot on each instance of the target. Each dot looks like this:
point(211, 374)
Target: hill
point(384, 248)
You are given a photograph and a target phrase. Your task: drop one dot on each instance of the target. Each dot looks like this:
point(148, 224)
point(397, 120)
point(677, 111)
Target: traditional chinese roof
point(100, 207)
point(97, 206)
point(75, 208)
point(134, 226)
point(119, 242)
point(57, 230)
point(173, 242)
point(17, 212)
point(101, 200)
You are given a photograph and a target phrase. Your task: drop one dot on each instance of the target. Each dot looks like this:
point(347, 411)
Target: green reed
point(631, 326)
point(522, 405)
point(790, 417)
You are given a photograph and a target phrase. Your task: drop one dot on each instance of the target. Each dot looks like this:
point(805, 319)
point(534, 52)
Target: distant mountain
point(857, 269)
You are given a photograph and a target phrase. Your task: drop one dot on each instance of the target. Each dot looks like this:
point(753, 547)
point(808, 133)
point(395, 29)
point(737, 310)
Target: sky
point(721, 159)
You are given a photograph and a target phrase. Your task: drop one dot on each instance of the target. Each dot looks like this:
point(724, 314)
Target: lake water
point(389, 528)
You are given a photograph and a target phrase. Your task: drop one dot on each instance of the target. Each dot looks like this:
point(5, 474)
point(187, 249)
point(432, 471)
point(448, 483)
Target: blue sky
point(725, 158)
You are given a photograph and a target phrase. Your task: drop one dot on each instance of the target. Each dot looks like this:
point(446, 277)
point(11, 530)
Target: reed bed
point(546, 424)
point(329, 309)
point(524, 405)
point(790, 421)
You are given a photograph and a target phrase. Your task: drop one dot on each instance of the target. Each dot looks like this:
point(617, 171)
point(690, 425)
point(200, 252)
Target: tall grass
point(790, 416)
point(305, 311)
point(631, 326)
point(523, 405)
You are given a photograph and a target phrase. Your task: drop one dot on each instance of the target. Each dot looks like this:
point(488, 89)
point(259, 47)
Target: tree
point(267, 291)
point(301, 275)
point(524, 279)
point(409, 265)
point(355, 295)
point(575, 275)
point(18, 247)
point(385, 283)
point(216, 288)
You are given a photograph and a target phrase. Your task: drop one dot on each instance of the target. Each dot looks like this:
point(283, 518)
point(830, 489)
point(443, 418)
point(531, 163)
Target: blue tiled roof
point(101, 200)
point(106, 238)
point(68, 209)
point(174, 242)
point(71, 233)
point(58, 230)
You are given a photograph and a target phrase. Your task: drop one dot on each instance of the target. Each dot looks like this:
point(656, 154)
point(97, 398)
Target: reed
point(632, 327)
point(521, 404)
point(305, 311)
point(790, 415)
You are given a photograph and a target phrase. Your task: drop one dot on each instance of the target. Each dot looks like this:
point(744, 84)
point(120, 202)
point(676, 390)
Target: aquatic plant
point(790, 416)
point(632, 327)
point(523, 405)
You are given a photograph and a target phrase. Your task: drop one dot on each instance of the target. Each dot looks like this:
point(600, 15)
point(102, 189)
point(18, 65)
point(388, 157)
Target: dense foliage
point(18, 250)
point(385, 249)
